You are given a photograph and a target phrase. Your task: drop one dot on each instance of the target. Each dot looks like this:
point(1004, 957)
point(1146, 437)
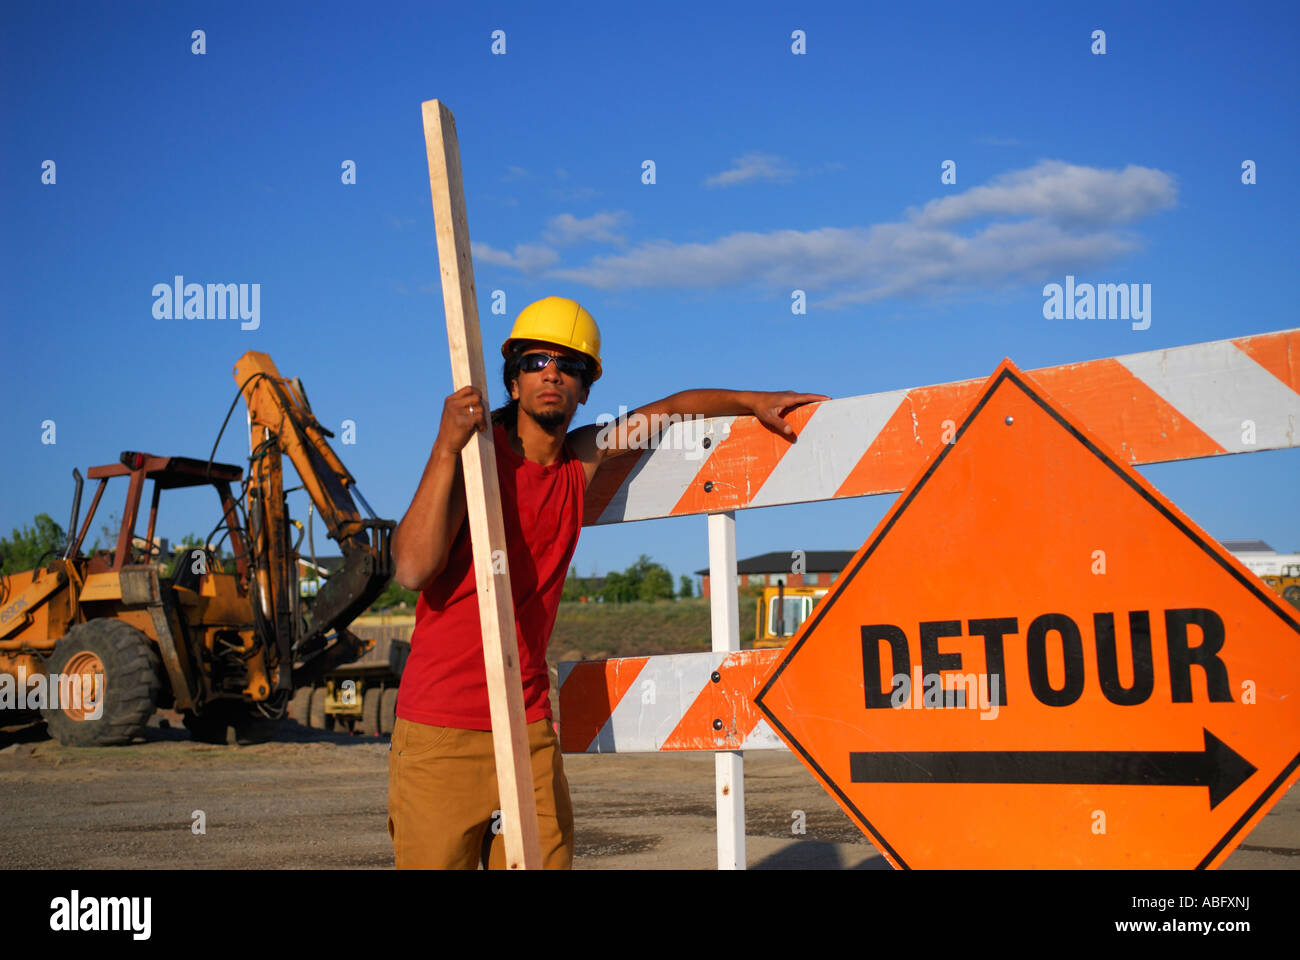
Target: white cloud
point(1062, 192)
point(1022, 226)
point(1000, 255)
point(752, 166)
point(598, 228)
point(773, 258)
point(527, 257)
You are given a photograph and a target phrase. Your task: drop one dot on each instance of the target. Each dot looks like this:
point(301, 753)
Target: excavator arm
point(281, 423)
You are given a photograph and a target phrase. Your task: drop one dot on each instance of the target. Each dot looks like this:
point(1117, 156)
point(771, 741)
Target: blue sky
point(774, 171)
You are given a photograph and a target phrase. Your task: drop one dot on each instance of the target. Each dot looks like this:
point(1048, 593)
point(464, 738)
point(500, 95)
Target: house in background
point(1259, 557)
point(819, 568)
point(310, 576)
point(822, 567)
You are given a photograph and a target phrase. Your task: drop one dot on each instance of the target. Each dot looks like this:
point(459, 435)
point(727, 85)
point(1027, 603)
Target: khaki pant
point(442, 798)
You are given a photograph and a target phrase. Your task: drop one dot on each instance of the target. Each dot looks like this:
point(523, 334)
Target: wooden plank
point(483, 497)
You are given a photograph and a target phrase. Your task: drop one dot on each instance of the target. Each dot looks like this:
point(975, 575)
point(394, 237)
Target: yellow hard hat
point(560, 321)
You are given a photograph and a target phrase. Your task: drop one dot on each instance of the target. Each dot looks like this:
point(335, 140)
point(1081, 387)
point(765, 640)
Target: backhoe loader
point(111, 638)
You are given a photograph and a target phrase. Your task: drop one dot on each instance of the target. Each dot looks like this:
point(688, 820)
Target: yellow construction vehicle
point(1286, 583)
point(226, 647)
point(780, 612)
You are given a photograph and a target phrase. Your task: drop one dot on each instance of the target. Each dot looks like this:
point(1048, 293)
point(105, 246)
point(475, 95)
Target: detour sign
point(1037, 661)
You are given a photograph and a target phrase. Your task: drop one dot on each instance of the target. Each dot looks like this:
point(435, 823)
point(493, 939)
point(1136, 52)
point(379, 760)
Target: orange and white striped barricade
point(1181, 403)
point(683, 701)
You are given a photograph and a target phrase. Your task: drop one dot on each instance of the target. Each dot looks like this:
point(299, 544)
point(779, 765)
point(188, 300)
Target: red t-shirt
point(444, 682)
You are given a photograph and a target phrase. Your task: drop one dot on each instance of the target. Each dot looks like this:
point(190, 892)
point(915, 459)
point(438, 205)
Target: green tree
point(573, 587)
point(657, 584)
point(618, 588)
point(32, 546)
point(644, 580)
point(687, 589)
point(394, 595)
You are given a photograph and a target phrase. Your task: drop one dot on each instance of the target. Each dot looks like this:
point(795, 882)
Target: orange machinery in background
point(226, 647)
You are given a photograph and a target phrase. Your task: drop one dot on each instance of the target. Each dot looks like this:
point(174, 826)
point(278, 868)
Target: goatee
point(548, 419)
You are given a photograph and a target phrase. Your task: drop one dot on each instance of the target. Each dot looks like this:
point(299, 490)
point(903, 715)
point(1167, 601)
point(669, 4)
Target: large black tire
point(132, 673)
point(388, 711)
point(1292, 596)
point(370, 710)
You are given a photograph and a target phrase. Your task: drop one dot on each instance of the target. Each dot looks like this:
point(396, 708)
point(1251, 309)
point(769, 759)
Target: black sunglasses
point(535, 362)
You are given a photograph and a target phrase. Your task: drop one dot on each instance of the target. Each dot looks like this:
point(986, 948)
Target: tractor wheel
point(131, 681)
point(300, 705)
point(1292, 596)
point(316, 710)
point(388, 711)
point(370, 710)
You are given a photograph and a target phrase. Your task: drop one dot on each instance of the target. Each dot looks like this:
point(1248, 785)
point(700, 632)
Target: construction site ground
point(317, 800)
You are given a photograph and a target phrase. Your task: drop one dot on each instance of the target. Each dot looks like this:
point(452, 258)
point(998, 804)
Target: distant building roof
point(327, 564)
point(814, 561)
point(1247, 546)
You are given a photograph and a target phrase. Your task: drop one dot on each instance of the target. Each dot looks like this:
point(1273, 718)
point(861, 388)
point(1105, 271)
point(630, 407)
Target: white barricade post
point(729, 766)
point(1230, 396)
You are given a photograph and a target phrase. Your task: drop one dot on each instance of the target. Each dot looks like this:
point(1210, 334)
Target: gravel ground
point(317, 800)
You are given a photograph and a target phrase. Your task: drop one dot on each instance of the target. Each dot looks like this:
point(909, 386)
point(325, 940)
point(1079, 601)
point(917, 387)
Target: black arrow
point(1218, 767)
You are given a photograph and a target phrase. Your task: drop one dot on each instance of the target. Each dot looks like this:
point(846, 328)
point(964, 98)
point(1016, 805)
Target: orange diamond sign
point(1036, 660)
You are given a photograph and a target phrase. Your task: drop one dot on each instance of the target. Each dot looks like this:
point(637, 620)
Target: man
point(442, 789)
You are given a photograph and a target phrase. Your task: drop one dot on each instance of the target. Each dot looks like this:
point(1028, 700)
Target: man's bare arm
point(422, 541)
point(595, 444)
